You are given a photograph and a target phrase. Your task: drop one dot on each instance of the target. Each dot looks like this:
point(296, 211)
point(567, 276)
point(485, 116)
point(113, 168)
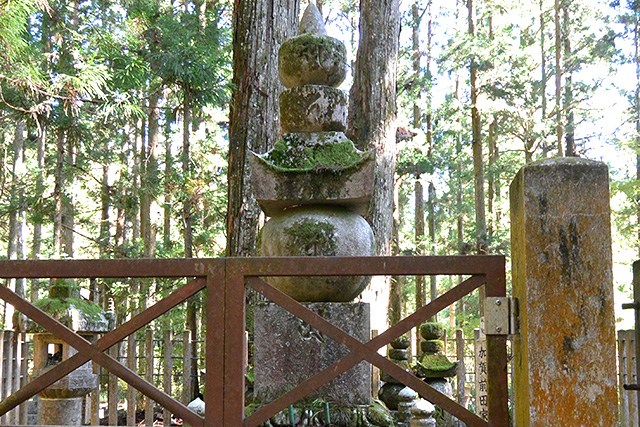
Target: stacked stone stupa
point(315, 186)
point(400, 354)
point(434, 365)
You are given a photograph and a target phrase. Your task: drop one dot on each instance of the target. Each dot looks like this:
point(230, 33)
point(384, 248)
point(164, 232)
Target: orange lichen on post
point(565, 354)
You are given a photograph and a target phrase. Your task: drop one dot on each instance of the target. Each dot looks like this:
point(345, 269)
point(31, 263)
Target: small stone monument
point(315, 185)
point(61, 403)
point(435, 367)
point(400, 354)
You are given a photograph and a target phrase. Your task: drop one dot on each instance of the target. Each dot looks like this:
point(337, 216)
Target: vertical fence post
point(375, 372)
point(2, 370)
point(565, 367)
point(94, 418)
point(8, 385)
point(132, 363)
point(148, 409)
point(480, 369)
point(461, 373)
point(627, 375)
point(187, 360)
point(113, 391)
point(24, 377)
point(17, 370)
point(167, 372)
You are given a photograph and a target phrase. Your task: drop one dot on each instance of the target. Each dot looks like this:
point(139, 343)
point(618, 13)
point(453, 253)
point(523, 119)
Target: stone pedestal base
point(289, 351)
point(61, 412)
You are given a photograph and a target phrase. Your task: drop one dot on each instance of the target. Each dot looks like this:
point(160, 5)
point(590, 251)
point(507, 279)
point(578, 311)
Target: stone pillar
point(565, 354)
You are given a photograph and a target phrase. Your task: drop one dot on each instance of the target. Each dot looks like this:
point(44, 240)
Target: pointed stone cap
point(312, 22)
point(312, 57)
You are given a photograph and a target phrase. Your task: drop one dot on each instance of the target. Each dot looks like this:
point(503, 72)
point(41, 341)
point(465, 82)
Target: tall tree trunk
point(191, 323)
point(543, 79)
point(149, 177)
point(558, 47)
point(372, 122)
point(568, 84)
point(16, 214)
point(491, 185)
point(259, 28)
point(37, 220)
point(636, 40)
point(420, 291)
point(58, 193)
point(476, 141)
point(396, 299)
point(168, 164)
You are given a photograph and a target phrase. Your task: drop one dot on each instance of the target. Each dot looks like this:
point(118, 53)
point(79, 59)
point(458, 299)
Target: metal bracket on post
point(501, 316)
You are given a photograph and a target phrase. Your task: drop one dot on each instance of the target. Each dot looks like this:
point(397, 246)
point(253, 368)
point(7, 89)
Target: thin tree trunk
point(568, 85)
point(476, 142)
point(636, 39)
point(543, 80)
point(491, 185)
point(372, 123)
point(558, 47)
point(396, 300)
point(37, 221)
point(16, 213)
point(148, 177)
point(259, 28)
point(168, 164)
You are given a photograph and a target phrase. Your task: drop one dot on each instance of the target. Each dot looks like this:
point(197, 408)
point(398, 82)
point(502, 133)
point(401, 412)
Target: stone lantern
point(61, 403)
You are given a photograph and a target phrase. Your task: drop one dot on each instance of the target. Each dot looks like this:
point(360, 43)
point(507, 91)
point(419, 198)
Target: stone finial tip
point(312, 22)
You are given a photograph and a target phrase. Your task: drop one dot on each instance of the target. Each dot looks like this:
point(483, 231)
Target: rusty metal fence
point(226, 281)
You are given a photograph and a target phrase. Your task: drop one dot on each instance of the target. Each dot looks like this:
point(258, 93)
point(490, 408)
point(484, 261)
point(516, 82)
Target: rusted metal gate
point(226, 281)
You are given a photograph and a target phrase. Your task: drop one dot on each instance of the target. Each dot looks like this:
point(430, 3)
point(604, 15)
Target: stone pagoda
point(315, 186)
point(61, 402)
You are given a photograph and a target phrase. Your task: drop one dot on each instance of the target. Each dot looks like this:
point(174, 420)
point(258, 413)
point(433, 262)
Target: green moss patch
point(309, 237)
point(328, 154)
point(436, 366)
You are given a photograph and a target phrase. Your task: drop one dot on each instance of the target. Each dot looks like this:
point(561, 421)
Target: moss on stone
point(436, 366)
point(402, 342)
point(379, 415)
point(309, 237)
point(309, 59)
point(432, 346)
point(329, 154)
point(432, 331)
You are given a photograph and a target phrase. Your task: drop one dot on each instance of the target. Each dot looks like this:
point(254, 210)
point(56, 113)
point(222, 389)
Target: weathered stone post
point(565, 357)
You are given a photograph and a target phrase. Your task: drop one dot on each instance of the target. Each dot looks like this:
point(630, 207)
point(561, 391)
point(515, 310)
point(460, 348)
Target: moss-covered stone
point(313, 108)
point(385, 377)
point(432, 331)
point(432, 346)
point(310, 59)
point(317, 152)
point(379, 415)
point(436, 366)
point(318, 231)
point(399, 354)
point(402, 342)
point(389, 395)
point(65, 304)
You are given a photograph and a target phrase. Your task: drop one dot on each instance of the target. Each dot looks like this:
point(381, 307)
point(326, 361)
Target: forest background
point(116, 140)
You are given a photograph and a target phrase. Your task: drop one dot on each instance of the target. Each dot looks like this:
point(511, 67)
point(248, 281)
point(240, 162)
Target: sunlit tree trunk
point(259, 28)
point(558, 73)
point(568, 85)
point(476, 140)
point(372, 123)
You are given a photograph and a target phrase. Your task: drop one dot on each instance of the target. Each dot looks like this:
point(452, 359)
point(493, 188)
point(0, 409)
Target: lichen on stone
point(327, 152)
point(311, 237)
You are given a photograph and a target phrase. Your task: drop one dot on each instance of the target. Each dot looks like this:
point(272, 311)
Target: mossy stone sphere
point(318, 231)
point(432, 331)
point(310, 59)
point(402, 342)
